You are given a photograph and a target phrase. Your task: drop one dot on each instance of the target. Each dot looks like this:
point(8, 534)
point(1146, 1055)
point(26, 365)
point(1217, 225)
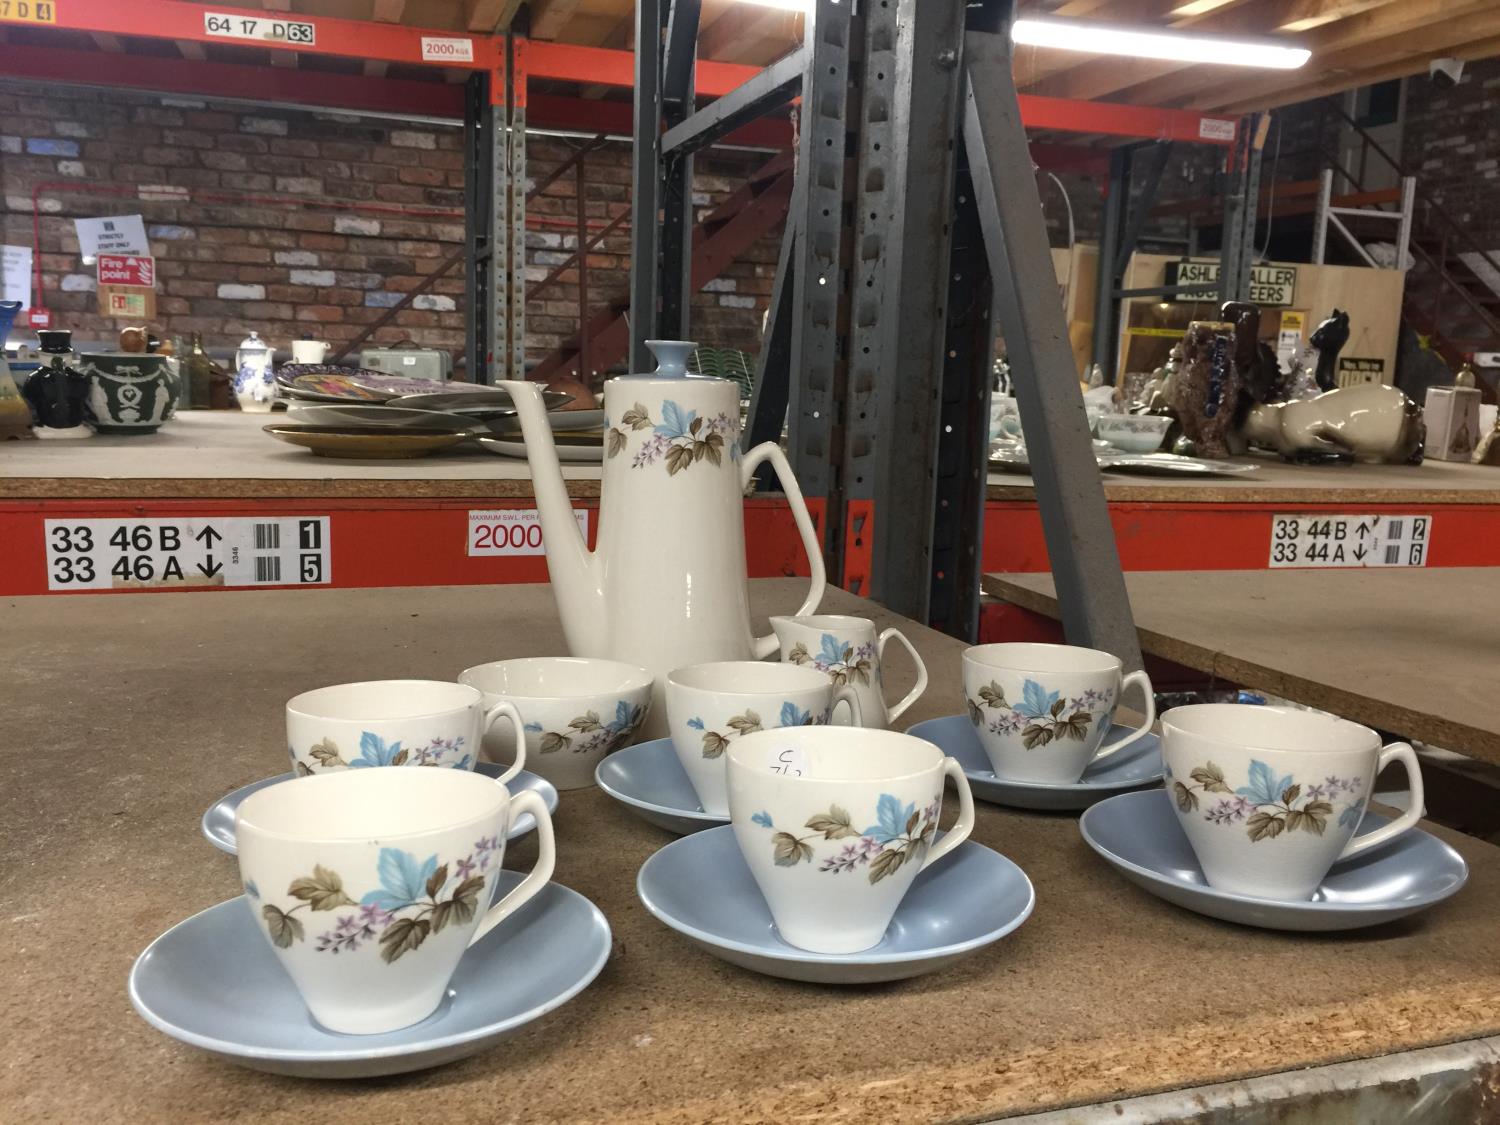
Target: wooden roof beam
point(548, 17)
point(490, 16)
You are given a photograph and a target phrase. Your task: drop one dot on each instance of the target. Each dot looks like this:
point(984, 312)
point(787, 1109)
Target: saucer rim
point(352, 1053)
point(795, 955)
point(1301, 906)
point(291, 775)
point(637, 802)
point(990, 777)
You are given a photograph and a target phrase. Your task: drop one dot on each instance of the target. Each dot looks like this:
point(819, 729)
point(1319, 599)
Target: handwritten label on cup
point(790, 761)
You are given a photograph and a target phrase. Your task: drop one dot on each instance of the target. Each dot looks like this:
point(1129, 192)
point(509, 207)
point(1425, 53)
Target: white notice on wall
point(1349, 541)
point(113, 234)
point(512, 531)
point(447, 50)
point(89, 554)
point(15, 275)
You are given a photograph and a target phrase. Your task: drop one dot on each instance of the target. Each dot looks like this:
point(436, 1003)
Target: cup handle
point(507, 710)
point(845, 694)
point(527, 800)
point(1396, 751)
point(1146, 690)
point(965, 822)
point(893, 713)
point(770, 451)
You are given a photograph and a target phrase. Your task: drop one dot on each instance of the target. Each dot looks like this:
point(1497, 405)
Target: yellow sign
point(1292, 321)
point(1165, 333)
point(28, 11)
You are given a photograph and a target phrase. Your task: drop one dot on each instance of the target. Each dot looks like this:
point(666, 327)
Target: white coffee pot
point(666, 584)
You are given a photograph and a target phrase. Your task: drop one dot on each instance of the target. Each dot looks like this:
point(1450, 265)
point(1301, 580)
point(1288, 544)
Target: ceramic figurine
point(129, 394)
point(15, 417)
point(666, 585)
point(58, 391)
point(1369, 422)
point(1487, 452)
point(254, 382)
point(1329, 338)
point(133, 340)
point(1206, 392)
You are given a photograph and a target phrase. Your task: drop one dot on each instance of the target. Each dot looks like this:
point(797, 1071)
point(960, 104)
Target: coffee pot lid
point(671, 360)
point(253, 342)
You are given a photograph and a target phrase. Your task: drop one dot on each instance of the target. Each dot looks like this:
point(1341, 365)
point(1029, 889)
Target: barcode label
point(1353, 542)
point(267, 568)
point(267, 536)
point(1393, 529)
point(1392, 554)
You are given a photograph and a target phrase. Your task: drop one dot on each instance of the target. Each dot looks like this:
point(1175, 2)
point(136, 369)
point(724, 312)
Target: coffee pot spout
point(574, 569)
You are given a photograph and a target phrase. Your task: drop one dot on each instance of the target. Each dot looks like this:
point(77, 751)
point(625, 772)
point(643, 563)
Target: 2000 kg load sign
point(149, 554)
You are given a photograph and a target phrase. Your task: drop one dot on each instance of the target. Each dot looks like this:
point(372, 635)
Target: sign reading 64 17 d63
point(228, 26)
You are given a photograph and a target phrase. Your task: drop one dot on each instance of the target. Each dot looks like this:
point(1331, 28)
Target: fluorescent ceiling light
point(1151, 43)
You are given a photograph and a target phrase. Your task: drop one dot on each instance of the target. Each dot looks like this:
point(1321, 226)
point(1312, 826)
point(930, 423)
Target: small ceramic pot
point(710, 706)
point(1270, 797)
point(1042, 711)
point(848, 651)
point(370, 885)
point(392, 723)
point(577, 711)
point(130, 393)
point(310, 351)
point(58, 393)
point(1134, 433)
point(835, 824)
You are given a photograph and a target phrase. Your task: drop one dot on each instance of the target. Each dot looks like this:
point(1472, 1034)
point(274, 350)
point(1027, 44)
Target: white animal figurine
point(1369, 422)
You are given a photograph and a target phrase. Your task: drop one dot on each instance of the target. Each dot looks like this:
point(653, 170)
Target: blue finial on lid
point(671, 358)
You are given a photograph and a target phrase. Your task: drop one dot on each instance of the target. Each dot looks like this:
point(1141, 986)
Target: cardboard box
point(1452, 416)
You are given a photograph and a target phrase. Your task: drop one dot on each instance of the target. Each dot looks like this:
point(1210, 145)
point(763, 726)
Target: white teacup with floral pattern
point(848, 651)
point(370, 884)
point(392, 723)
point(1270, 797)
point(577, 710)
point(1042, 711)
point(710, 706)
point(835, 824)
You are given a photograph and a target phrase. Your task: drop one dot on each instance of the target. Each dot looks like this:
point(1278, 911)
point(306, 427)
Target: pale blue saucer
point(213, 982)
point(700, 887)
point(1138, 835)
point(649, 780)
point(218, 821)
point(1136, 765)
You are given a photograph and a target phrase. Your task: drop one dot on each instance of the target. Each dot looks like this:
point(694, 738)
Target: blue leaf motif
point(675, 421)
point(533, 728)
point(832, 651)
point(463, 765)
point(403, 879)
point(696, 724)
point(1351, 817)
point(374, 752)
point(1036, 701)
point(892, 818)
point(254, 892)
point(791, 717)
point(763, 819)
point(622, 716)
point(1264, 788)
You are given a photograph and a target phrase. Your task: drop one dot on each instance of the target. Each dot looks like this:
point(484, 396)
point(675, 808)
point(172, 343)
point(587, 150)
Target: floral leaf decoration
point(533, 728)
point(284, 929)
point(1351, 816)
point(976, 716)
point(830, 651)
point(1268, 805)
point(1036, 701)
point(625, 715)
point(763, 819)
point(324, 890)
point(799, 654)
point(302, 770)
point(461, 908)
point(1264, 788)
point(587, 723)
point(792, 717)
point(553, 741)
point(992, 695)
point(1211, 777)
point(788, 851)
point(748, 723)
point(373, 751)
point(675, 422)
point(695, 723)
point(402, 936)
point(1187, 800)
point(637, 418)
point(403, 879)
point(326, 753)
point(714, 744)
point(891, 818)
point(834, 824)
point(616, 442)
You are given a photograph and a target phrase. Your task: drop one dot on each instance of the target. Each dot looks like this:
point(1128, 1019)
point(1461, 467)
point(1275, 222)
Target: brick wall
point(323, 266)
point(1452, 144)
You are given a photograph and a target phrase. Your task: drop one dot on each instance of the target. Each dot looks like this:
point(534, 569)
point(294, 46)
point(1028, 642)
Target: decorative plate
point(371, 443)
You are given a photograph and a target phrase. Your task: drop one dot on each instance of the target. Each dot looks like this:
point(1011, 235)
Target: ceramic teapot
point(254, 383)
point(666, 584)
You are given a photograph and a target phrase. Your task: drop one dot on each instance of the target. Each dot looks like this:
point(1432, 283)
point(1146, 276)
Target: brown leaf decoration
point(747, 723)
point(1075, 726)
point(1294, 820)
point(323, 891)
point(1264, 826)
point(436, 880)
point(713, 448)
point(326, 753)
point(886, 863)
point(402, 936)
point(1187, 800)
point(461, 908)
point(283, 927)
point(616, 441)
point(834, 824)
point(587, 723)
point(1211, 777)
point(993, 696)
point(302, 770)
point(1290, 794)
point(400, 759)
point(976, 716)
point(790, 851)
point(714, 744)
point(839, 676)
point(799, 654)
point(1315, 814)
point(679, 457)
point(695, 426)
point(861, 671)
point(637, 418)
point(1057, 707)
point(1036, 735)
point(554, 741)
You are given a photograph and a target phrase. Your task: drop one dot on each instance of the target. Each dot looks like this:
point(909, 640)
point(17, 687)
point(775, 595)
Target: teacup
point(710, 706)
point(577, 711)
point(835, 825)
point(848, 651)
point(1042, 711)
point(1270, 797)
point(370, 885)
point(393, 723)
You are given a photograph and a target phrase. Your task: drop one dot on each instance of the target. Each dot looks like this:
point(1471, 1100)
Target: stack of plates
point(350, 412)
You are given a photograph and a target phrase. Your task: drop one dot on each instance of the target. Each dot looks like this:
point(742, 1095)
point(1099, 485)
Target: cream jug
point(666, 584)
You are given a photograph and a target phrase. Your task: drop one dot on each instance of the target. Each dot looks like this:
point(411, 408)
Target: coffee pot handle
point(528, 800)
point(893, 713)
point(770, 451)
point(1395, 752)
point(506, 710)
point(1145, 727)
